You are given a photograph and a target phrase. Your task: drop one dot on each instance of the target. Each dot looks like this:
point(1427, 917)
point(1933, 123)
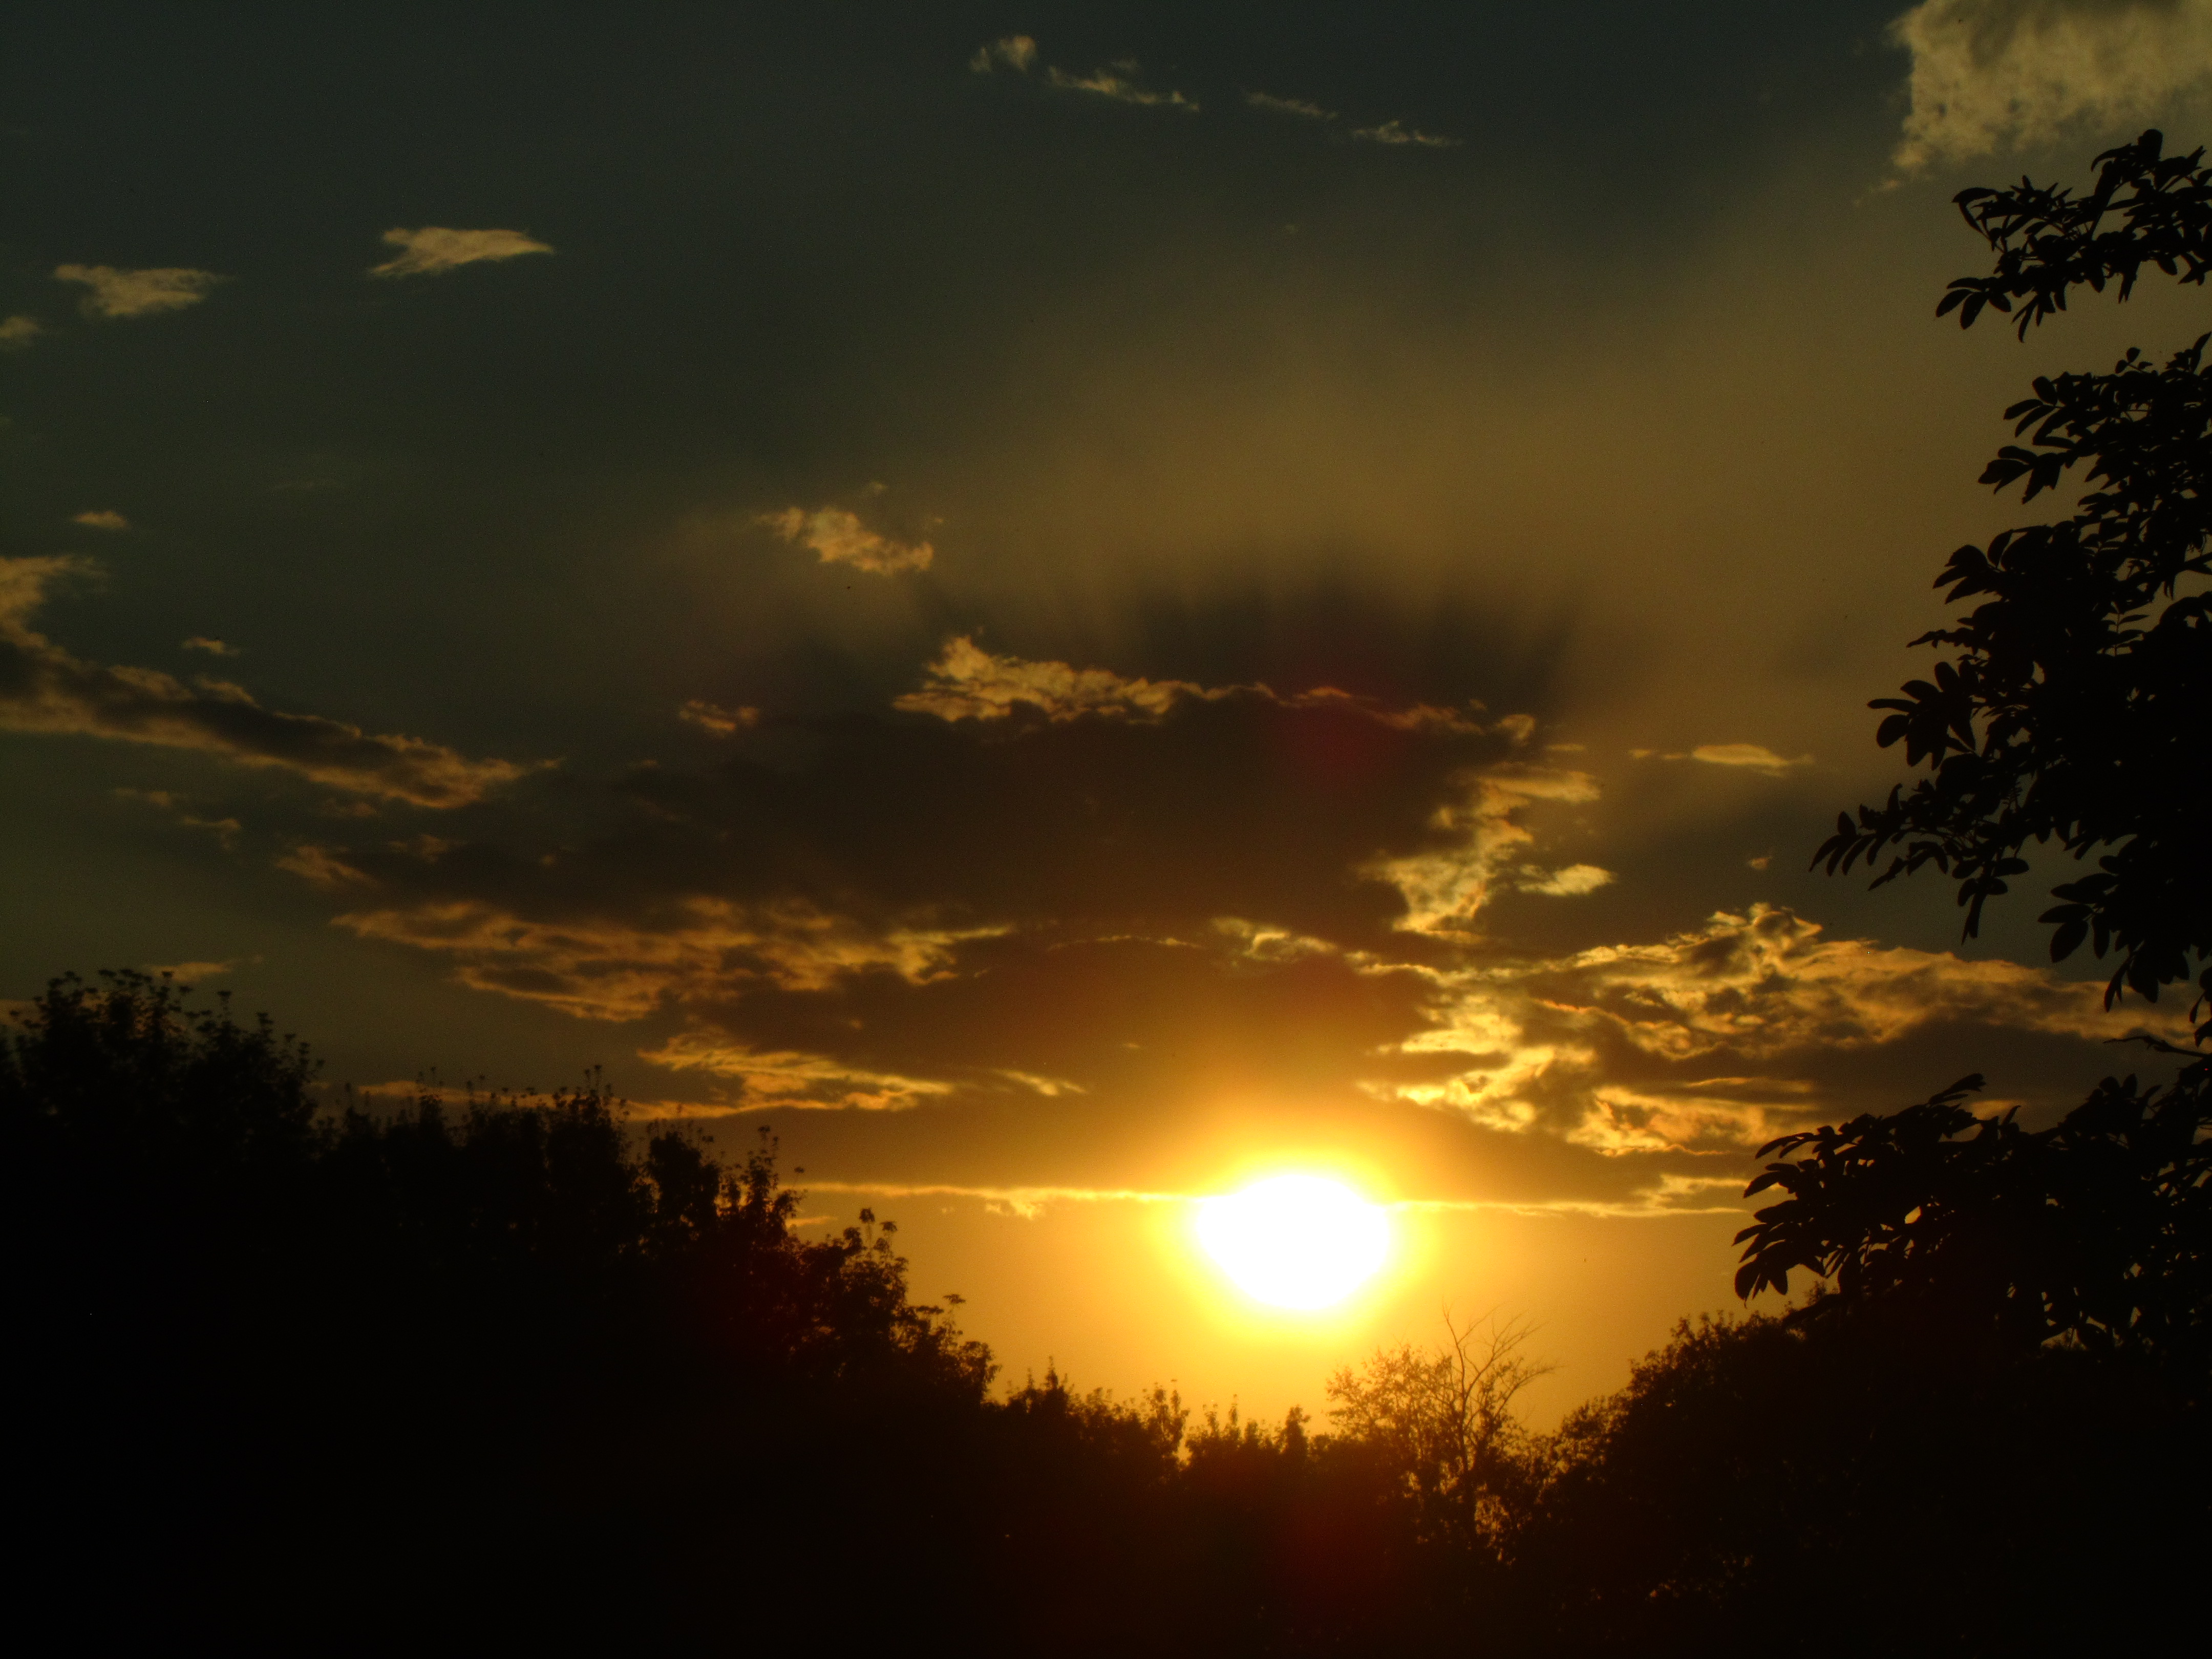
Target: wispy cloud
point(1755, 756)
point(435, 248)
point(840, 538)
point(1397, 132)
point(213, 647)
point(226, 830)
point(784, 1078)
point(189, 972)
point(1013, 52)
point(101, 519)
point(147, 292)
point(18, 332)
point(321, 867)
point(1990, 75)
point(969, 682)
point(699, 948)
point(44, 688)
point(1298, 106)
point(713, 717)
point(1018, 52)
point(1105, 83)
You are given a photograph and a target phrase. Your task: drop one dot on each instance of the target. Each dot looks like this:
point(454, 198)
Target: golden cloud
point(1756, 756)
point(148, 293)
point(706, 948)
point(713, 717)
point(1766, 986)
point(1443, 889)
point(435, 248)
point(786, 1078)
point(969, 682)
point(839, 537)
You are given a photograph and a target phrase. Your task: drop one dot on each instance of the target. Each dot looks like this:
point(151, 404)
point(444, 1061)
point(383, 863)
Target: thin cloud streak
point(435, 248)
point(46, 688)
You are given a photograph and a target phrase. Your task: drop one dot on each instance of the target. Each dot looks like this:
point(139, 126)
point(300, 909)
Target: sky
point(1063, 606)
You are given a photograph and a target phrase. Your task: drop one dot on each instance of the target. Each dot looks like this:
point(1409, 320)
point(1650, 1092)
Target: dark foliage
point(2096, 1232)
point(324, 1378)
point(513, 1375)
point(2073, 707)
point(1855, 1485)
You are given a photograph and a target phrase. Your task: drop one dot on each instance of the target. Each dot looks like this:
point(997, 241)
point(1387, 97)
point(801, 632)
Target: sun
point(1294, 1240)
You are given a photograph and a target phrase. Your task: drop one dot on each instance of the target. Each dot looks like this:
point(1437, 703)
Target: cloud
point(101, 519)
point(1397, 132)
point(788, 1078)
point(213, 647)
point(1016, 52)
point(840, 538)
point(188, 972)
point(713, 717)
point(323, 868)
point(1297, 107)
point(969, 682)
point(1572, 882)
point(46, 688)
point(699, 948)
point(434, 248)
point(1990, 75)
point(1104, 83)
point(147, 292)
point(1756, 757)
point(1443, 888)
point(18, 332)
point(1717, 1038)
point(225, 831)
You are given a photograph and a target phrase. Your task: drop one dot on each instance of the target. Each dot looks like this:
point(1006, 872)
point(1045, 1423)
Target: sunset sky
point(1067, 605)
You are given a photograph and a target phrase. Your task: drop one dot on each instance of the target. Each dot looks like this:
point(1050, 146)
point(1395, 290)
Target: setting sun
point(1294, 1240)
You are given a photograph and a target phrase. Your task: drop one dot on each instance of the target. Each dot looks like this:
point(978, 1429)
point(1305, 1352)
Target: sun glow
point(1294, 1240)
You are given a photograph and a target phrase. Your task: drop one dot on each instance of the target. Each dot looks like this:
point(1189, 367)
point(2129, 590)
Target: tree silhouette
point(1443, 1425)
point(2074, 710)
point(2073, 705)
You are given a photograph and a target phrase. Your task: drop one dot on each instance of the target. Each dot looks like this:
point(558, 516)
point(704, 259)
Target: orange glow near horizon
point(1300, 1242)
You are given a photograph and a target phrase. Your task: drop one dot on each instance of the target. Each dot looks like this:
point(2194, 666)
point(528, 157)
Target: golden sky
point(1066, 607)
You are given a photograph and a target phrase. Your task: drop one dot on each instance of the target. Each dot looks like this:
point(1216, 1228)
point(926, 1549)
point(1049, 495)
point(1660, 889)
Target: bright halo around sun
point(1294, 1240)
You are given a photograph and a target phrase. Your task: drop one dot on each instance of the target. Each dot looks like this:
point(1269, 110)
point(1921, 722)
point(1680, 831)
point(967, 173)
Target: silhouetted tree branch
point(2074, 708)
